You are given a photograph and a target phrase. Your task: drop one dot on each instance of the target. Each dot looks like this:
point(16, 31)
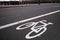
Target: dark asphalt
point(14, 14)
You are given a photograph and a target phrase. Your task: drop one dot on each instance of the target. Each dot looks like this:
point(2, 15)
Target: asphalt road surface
point(17, 14)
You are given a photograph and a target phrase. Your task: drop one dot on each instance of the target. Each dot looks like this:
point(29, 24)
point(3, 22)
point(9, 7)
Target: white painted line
point(29, 19)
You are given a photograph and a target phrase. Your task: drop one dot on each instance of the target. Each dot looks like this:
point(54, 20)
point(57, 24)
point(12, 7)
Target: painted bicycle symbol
point(35, 28)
